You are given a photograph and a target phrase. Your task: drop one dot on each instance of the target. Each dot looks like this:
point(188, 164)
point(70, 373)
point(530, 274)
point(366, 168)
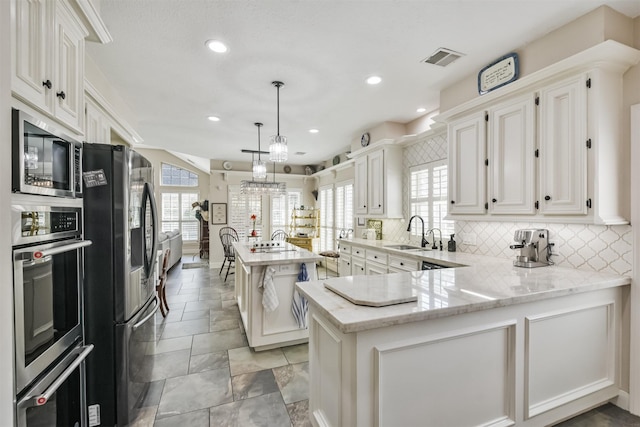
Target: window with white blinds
point(178, 214)
point(325, 199)
point(344, 207)
point(336, 212)
point(281, 207)
point(428, 197)
point(241, 207)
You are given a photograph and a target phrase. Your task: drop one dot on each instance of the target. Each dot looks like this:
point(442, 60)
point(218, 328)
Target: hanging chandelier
point(259, 168)
point(278, 151)
point(259, 171)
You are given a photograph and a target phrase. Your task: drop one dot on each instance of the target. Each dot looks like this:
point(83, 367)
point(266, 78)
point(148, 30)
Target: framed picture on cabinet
point(218, 213)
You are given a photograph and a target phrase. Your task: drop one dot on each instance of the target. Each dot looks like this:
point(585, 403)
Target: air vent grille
point(443, 57)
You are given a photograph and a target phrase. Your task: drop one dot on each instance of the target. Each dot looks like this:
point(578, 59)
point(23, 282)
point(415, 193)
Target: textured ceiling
point(322, 50)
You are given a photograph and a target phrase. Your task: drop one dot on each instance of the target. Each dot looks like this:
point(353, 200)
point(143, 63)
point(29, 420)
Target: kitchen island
point(266, 328)
point(482, 344)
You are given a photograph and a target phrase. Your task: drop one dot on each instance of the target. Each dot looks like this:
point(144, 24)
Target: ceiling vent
point(443, 57)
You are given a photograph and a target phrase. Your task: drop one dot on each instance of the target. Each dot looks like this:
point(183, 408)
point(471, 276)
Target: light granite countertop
point(287, 253)
point(483, 283)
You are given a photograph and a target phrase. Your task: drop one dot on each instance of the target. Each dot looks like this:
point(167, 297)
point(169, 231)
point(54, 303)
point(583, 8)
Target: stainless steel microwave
point(45, 161)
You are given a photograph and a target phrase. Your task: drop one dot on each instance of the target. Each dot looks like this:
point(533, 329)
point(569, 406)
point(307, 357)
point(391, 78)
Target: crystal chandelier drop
point(278, 151)
point(259, 183)
point(259, 167)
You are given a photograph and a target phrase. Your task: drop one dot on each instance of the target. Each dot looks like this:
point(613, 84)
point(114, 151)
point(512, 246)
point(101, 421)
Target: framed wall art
point(218, 213)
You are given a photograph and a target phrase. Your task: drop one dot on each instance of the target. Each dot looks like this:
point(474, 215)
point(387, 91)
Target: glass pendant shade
point(278, 151)
point(259, 169)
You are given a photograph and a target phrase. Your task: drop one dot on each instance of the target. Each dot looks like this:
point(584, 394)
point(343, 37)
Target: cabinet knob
point(494, 200)
point(61, 95)
point(47, 84)
point(402, 263)
point(547, 198)
point(453, 202)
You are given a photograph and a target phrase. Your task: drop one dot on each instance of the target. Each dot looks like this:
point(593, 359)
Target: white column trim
point(634, 374)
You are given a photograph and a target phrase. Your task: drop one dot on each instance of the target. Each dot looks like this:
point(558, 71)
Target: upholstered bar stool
point(330, 255)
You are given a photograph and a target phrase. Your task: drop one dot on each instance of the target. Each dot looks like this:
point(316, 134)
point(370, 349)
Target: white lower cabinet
point(357, 266)
point(277, 328)
point(401, 264)
point(344, 265)
point(518, 365)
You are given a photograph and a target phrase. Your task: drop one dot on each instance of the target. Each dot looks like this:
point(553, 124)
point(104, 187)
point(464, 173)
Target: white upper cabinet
point(97, 128)
point(48, 59)
point(563, 147)
point(467, 170)
point(361, 185)
point(511, 142)
point(580, 174)
point(378, 181)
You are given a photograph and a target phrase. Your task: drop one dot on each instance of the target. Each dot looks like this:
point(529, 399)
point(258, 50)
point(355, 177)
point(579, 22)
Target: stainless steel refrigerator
point(120, 301)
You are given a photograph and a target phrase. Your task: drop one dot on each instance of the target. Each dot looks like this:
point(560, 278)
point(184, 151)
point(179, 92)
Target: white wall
point(6, 290)
point(586, 31)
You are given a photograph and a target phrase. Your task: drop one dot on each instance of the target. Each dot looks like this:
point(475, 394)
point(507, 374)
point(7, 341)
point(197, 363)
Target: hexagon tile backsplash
point(586, 247)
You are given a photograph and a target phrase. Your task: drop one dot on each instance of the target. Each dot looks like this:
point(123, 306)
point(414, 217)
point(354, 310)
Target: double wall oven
point(48, 275)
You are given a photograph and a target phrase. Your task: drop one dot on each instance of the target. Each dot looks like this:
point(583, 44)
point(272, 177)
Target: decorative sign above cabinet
point(502, 71)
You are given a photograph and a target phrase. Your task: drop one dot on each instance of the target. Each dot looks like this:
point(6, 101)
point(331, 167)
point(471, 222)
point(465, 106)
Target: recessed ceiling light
point(421, 110)
point(313, 131)
point(374, 80)
point(214, 118)
point(216, 46)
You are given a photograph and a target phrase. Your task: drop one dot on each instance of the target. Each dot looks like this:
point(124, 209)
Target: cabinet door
point(69, 60)
point(344, 266)
point(96, 128)
point(376, 177)
point(467, 155)
point(357, 266)
point(563, 150)
point(374, 268)
point(511, 157)
point(32, 56)
point(361, 185)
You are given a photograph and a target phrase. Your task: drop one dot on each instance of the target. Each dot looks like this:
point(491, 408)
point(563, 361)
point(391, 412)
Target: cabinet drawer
point(357, 251)
point(403, 263)
point(376, 256)
point(344, 248)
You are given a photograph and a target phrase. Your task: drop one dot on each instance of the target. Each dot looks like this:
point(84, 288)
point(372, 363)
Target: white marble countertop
point(288, 253)
point(484, 283)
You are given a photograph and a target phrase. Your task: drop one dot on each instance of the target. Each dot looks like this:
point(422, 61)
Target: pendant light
point(278, 151)
point(259, 167)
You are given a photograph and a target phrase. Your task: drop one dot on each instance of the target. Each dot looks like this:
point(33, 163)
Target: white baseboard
point(622, 401)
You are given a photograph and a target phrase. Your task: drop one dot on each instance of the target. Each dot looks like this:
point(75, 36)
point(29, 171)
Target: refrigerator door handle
point(148, 316)
point(150, 260)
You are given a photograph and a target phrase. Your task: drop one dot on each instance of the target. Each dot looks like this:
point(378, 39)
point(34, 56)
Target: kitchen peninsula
point(485, 344)
point(276, 328)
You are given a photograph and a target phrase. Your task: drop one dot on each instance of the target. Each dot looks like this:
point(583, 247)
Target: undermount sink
point(405, 247)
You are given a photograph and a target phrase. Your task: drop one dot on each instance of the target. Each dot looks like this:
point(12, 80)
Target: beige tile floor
point(201, 372)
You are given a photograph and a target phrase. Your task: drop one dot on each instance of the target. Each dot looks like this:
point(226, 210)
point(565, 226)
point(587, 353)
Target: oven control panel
point(41, 223)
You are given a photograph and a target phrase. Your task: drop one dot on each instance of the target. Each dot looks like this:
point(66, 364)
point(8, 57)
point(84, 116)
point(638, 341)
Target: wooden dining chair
point(162, 281)
point(228, 236)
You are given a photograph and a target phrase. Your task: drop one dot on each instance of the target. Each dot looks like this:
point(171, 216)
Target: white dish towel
point(269, 297)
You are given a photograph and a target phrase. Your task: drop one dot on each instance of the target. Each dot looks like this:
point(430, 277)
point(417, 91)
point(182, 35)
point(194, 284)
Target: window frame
point(431, 219)
point(162, 184)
